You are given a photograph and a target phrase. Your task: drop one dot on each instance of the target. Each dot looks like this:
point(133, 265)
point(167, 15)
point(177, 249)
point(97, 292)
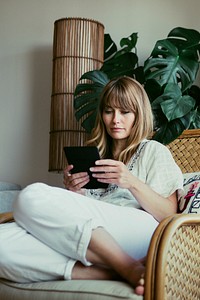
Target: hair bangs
point(119, 98)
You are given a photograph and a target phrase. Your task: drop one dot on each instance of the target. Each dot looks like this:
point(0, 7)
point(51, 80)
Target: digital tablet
point(82, 158)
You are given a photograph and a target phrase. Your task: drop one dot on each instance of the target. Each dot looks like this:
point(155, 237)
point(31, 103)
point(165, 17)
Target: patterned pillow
point(189, 201)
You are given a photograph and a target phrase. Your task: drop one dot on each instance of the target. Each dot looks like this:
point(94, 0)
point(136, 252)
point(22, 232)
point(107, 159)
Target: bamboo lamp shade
point(78, 47)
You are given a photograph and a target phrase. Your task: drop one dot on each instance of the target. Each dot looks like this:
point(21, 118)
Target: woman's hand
point(112, 171)
point(75, 182)
point(116, 172)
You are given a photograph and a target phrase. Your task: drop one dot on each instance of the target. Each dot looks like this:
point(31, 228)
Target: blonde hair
point(128, 94)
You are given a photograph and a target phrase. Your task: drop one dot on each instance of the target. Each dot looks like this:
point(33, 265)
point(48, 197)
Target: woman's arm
point(116, 172)
point(158, 206)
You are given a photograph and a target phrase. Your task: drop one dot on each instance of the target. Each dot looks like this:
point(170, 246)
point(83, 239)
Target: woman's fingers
point(74, 182)
point(78, 182)
point(107, 162)
point(113, 172)
point(108, 166)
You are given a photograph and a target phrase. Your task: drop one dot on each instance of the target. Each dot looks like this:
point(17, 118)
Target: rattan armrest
point(173, 261)
point(6, 217)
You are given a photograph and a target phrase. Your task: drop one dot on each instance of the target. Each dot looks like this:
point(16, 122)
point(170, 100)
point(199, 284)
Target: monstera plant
point(168, 76)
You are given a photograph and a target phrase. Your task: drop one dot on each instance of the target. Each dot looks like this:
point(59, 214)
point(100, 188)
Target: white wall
point(26, 33)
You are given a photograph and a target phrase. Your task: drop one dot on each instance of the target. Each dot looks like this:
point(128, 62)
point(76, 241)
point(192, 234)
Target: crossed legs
point(110, 262)
point(112, 250)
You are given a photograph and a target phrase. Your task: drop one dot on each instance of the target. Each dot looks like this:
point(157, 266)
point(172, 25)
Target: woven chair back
point(186, 151)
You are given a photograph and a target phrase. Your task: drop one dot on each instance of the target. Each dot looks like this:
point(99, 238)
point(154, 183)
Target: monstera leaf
point(175, 59)
point(176, 113)
point(173, 104)
point(87, 97)
point(119, 62)
point(172, 68)
point(169, 131)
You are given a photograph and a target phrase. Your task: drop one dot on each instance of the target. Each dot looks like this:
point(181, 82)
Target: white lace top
point(154, 165)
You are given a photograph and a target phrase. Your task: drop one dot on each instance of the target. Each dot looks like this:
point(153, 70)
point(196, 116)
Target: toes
point(139, 290)
point(141, 281)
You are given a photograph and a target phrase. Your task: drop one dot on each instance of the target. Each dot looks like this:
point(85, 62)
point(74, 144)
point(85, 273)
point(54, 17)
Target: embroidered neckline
point(136, 155)
point(111, 187)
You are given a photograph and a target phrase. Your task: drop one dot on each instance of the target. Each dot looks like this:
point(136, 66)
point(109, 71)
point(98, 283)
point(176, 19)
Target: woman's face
point(118, 122)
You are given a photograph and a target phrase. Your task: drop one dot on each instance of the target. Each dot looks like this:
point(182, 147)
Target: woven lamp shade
point(78, 47)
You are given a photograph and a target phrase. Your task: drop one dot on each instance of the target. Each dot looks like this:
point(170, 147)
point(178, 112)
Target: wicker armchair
point(173, 263)
point(173, 260)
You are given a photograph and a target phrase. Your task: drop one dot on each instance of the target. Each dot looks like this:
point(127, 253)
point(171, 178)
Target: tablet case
point(82, 158)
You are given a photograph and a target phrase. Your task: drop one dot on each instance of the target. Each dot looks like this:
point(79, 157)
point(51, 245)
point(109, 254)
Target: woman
point(109, 238)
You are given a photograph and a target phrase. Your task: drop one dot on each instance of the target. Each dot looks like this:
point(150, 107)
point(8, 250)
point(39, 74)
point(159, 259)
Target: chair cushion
point(189, 201)
point(7, 186)
point(73, 289)
point(8, 193)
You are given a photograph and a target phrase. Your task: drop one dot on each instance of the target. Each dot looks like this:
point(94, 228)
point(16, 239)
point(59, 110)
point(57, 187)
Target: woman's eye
point(108, 111)
point(124, 112)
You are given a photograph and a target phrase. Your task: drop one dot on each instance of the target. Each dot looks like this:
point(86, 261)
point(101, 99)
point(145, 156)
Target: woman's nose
point(116, 117)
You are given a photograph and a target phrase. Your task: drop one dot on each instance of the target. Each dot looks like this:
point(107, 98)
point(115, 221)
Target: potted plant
point(168, 76)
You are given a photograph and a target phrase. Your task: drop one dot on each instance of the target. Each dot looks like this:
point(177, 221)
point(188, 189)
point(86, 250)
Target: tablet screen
point(82, 158)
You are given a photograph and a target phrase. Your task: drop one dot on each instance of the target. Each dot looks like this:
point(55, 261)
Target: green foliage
point(168, 75)
point(87, 97)
point(175, 59)
point(173, 65)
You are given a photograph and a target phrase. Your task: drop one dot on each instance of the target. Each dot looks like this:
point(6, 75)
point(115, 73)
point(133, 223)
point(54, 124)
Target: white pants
point(24, 258)
point(59, 225)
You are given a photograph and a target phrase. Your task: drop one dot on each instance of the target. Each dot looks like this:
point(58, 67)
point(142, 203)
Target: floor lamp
point(78, 47)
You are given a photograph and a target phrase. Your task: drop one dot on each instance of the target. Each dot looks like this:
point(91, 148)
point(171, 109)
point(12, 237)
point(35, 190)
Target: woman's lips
point(116, 129)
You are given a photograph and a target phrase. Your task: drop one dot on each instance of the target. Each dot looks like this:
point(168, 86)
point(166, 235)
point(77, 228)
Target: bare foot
point(104, 250)
point(135, 277)
point(139, 290)
point(93, 272)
